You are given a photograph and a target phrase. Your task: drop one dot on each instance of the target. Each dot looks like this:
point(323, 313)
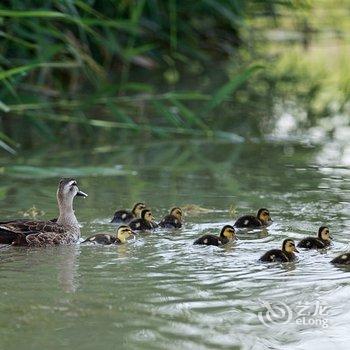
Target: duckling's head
point(146, 214)
point(288, 246)
point(137, 209)
point(228, 232)
point(323, 233)
point(67, 190)
point(264, 216)
point(123, 233)
point(177, 212)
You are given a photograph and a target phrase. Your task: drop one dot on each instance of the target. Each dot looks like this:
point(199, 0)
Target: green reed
point(71, 66)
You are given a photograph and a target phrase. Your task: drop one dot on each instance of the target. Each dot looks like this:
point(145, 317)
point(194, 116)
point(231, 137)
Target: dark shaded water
point(159, 291)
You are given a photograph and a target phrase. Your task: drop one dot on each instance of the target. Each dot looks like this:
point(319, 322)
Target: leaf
point(230, 87)
point(4, 107)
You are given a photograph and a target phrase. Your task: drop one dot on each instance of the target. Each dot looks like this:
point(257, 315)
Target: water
point(159, 291)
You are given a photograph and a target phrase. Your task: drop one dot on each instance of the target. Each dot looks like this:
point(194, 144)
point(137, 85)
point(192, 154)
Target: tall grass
point(71, 66)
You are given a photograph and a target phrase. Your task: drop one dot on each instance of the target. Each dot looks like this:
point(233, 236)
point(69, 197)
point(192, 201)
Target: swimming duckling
point(146, 222)
point(342, 259)
point(123, 233)
point(284, 255)
point(227, 234)
point(263, 218)
point(172, 220)
point(323, 240)
point(127, 216)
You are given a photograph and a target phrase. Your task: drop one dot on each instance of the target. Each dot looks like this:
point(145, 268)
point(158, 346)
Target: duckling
point(146, 222)
point(127, 216)
point(263, 218)
point(172, 220)
point(323, 240)
point(342, 259)
point(284, 255)
point(123, 233)
point(227, 234)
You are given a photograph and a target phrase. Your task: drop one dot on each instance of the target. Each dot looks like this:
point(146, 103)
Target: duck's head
point(288, 246)
point(146, 214)
point(137, 209)
point(323, 233)
point(228, 232)
point(264, 216)
point(124, 232)
point(67, 190)
point(177, 212)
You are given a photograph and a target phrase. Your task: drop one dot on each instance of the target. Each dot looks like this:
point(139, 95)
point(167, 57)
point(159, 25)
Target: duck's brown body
point(102, 238)
point(142, 224)
point(227, 234)
point(126, 216)
point(27, 232)
point(145, 223)
point(342, 259)
point(277, 255)
point(173, 219)
point(313, 243)
point(286, 254)
point(262, 219)
point(211, 240)
point(323, 240)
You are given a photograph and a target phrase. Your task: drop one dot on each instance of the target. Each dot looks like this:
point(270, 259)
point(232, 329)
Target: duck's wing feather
point(19, 230)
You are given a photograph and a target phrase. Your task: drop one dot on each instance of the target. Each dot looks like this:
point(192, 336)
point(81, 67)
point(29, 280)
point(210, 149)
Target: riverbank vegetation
point(91, 71)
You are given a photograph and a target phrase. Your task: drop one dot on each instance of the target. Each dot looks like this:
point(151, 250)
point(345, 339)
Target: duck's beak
point(81, 194)
point(330, 237)
point(296, 250)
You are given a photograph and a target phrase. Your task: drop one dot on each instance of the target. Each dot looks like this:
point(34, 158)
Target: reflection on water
point(159, 291)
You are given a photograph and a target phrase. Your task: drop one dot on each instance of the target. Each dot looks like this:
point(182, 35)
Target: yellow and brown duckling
point(172, 220)
point(262, 219)
point(322, 240)
point(342, 259)
point(123, 233)
point(285, 254)
point(146, 222)
point(126, 215)
point(227, 234)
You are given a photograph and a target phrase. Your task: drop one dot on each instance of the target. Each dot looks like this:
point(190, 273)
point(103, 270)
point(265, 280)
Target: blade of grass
point(230, 87)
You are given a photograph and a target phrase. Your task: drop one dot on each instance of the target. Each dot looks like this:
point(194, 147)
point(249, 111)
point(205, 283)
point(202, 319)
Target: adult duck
point(65, 230)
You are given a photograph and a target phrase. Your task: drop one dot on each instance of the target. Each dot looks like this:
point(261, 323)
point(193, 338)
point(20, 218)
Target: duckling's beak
point(330, 237)
point(296, 250)
point(81, 194)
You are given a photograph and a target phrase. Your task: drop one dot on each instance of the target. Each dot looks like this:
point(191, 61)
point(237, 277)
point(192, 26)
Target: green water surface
point(159, 291)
